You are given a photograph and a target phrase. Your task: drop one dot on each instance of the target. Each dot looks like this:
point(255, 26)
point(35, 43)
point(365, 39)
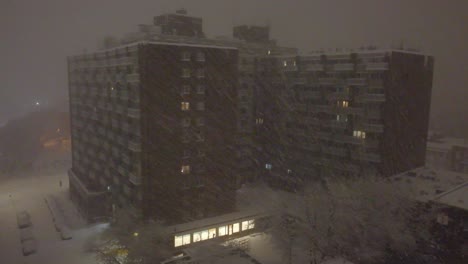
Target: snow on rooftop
point(456, 197)
point(446, 143)
point(425, 183)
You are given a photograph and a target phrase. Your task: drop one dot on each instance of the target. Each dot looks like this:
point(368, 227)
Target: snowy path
point(27, 193)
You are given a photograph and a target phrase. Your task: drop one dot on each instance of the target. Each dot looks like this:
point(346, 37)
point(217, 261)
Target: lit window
point(200, 56)
point(196, 237)
point(269, 52)
point(289, 171)
point(200, 89)
point(259, 121)
point(186, 73)
point(186, 239)
point(212, 233)
point(342, 103)
point(285, 63)
point(186, 56)
point(235, 228)
point(251, 224)
point(359, 134)
point(222, 230)
point(200, 106)
point(177, 241)
point(186, 89)
point(245, 225)
point(181, 240)
point(185, 169)
point(204, 235)
point(201, 73)
point(294, 63)
point(268, 166)
point(185, 106)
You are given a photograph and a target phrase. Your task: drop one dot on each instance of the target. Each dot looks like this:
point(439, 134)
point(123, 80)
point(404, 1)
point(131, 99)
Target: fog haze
point(38, 35)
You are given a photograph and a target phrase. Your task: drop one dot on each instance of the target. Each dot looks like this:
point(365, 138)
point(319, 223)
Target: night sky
point(36, 36)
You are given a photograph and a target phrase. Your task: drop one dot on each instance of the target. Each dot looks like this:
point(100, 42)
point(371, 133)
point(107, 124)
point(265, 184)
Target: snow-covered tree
point(127, 241)
point(360, 219)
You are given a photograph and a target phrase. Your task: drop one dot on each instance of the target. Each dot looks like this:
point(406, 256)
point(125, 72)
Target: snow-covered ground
point(27, 192)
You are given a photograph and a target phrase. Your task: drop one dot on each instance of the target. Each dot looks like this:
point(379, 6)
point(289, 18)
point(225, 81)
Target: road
point(27, 192)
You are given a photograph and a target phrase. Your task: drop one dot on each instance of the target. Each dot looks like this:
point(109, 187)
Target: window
point(204, 235)
point(268, 166)
point(200, 89)
point(235, 228)
point(186, 153)
point(200, 56)
point(359, 134)
point(196, 237)
point(200, 121)
point(222, 230)
point(185, 73)
point(185, 106)
point(199, 136)
point(186, 56)
point(342, 118)
point(285, 63)
point(200, 106)
point(201, 153)
point(212, 233)
point(343, 104)
point(259, 121)
point(201, 73)
point(181, 240)
point(185, 122)
point(185, 136)
point(186, 89)
point(185, 169)
point(246, 225)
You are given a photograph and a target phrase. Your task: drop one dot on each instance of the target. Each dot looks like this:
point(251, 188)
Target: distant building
point(180, 23)
point(153, 128)
point(447, 153)
point(344, 113)
point(248, 33)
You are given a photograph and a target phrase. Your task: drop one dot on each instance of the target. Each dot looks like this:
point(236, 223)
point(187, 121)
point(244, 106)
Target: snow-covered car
point(23, 219)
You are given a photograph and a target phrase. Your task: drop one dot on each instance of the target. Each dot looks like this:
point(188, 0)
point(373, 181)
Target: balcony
point(289, 68)
point(363, 156)
point(356, 81)
point(310, 94)
point(379, 66)
point(133, 113)
point(134, 146)
point(376, 128)
point(338, 96)
point(374, 114)
point(133, 78)
point(343, 67)
point(314, 67)
point(327, 81)
point(349, 110)
point(134, 178)
point(334, 151)
point(336, 124)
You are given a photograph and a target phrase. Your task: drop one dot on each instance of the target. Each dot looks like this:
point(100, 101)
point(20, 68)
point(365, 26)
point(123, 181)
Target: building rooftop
point(372, 51)
point(456, 197)
point(424, 183)
point(446, 143)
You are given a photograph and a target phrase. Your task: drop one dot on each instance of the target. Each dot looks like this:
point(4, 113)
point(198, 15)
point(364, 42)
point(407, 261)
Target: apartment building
point(252, 42)
point(153, 129)
point(345, 113)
